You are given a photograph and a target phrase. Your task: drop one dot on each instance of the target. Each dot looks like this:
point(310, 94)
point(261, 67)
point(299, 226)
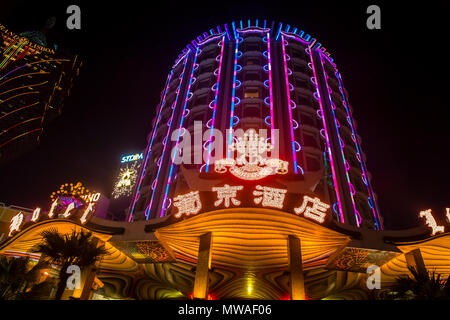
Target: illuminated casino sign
point(91, 197)
point(228, 196)
point(73, 191)
point(80, 213)
point(250, 164)
point(132, 157)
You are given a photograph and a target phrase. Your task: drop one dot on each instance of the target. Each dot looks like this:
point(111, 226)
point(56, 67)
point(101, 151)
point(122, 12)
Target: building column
point(296, 276)
point(87, 280)
point(201, 283)
point(414, 259)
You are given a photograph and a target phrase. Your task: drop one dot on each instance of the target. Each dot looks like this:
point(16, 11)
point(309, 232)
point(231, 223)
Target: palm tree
point(421, 286)
point(77, 248)
point(20, 281)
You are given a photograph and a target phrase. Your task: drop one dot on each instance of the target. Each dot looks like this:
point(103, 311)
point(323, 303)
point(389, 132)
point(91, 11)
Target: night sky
point(397, 79)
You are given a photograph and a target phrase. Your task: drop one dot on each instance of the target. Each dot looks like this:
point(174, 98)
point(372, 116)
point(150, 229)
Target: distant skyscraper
point(34, 80)
point(259, 77)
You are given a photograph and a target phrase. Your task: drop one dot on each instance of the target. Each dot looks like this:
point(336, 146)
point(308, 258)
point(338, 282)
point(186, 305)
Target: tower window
point(252, 61)
point(252, 76)
point(306, 118)
point(204, 83)
point(252, 110)
point(302, 99)
point(252, 47)
point(312, 163)
point(201, 100)
point(251, 92)
point(309, 140)
point(299, 82)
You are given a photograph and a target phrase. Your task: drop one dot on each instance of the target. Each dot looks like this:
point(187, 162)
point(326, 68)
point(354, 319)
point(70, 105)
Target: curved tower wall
point(259, 75)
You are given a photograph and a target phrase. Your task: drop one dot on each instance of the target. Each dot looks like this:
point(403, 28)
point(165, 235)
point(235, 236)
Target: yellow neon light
point(431, 222)
point(187, 204)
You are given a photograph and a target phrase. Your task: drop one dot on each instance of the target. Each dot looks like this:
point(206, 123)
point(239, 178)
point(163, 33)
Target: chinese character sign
point(313, 208)
point(269, 197)
point(228, 196)
point(16, 223)
point(187, 204)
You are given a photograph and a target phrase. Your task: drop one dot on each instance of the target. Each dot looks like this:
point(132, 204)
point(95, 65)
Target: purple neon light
point(357, 145)
point(341, 214)
point(215, 105)
point(272, 120)
point(25, 65)
point(169, 180)
point(357, 215)
point(210, 38)
point(180, 59)
point(233, 96)
point(294, 36)
point(294, 156)
point(166, 138)
point(149, 147)
point(253, 29)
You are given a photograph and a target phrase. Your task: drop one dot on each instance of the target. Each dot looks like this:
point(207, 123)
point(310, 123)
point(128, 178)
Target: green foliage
point(19, 279)
point(76, 248)
point(421, 286)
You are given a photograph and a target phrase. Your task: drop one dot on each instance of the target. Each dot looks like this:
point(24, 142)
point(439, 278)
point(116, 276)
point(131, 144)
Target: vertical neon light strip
point(272, 120)
point(341, 214)
point(294, 156)
point(149, 147)
point(358, 150)
point(357, 215)
point(166, 138)
point(215, 105)
point(169, 180)
point(233, 95)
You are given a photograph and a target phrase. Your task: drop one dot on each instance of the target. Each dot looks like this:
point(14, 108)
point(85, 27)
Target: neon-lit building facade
point(260, 75)
point(34, 81)
point(302, 224)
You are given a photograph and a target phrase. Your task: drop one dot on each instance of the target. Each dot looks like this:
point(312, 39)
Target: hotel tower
point(253, 185)
point(255, 75)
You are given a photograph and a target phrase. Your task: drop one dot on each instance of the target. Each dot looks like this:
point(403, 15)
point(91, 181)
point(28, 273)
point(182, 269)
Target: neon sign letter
point(431, 222)
point(187, 204)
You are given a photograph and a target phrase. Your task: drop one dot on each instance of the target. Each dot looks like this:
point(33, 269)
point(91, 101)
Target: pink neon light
point(272, 119)
point(167, 136)
point(148, 151)
point(294, 156)
point(211, 38)
point(350, 121)
point(341, 214)
point(169, 180)
point(230, 135)
point(215, 104)
point(253, 29)
point(295, 37)
point(352, 189)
